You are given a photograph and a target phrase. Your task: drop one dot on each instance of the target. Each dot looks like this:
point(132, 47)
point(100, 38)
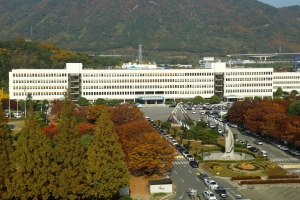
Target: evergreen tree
point(106, 170)
point(6, 149)
point(68, 155)
point(32, 162)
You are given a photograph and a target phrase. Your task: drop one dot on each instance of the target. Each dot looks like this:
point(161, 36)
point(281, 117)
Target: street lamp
point(96, 193)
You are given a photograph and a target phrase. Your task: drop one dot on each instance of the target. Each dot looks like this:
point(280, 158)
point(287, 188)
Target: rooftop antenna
point(140, 55)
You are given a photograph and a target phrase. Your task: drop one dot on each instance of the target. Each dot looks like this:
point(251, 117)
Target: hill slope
point(207, 27)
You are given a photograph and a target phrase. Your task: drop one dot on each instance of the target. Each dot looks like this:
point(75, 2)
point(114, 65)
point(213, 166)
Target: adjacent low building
point(149, 83)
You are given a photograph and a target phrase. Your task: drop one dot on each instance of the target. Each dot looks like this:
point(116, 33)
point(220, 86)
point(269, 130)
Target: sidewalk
point(139, 189)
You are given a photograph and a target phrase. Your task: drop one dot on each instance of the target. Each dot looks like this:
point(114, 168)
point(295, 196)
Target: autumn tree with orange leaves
point(94, 112)
point(126, 113)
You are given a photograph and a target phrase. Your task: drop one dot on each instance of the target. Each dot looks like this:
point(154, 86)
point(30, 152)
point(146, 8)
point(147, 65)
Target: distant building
point(149, 84)
point(297, 61)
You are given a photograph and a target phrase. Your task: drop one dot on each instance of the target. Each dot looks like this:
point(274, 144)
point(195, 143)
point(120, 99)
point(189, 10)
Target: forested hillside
point(18, 54)
point(205, 27)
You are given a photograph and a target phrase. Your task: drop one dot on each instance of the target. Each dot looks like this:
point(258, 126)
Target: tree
point(6, 149)
point(153, 155)
point(86, 128)
point(198, 100)
point(82, 101)
point(201, 124)
point(32, 162)
point(94, 112)
point(295, 92)
point(165, 125)
point(214, 99)
point(294, 109)
point(68, 154)
point(125, 113)
point(279, 91)
point(50, 131)
point(100, 101)
point(105, 160)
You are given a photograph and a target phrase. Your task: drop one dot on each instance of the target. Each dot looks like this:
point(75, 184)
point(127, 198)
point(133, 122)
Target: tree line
point(88, 152)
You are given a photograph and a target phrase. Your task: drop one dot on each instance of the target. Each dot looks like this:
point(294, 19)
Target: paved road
point(185, 178)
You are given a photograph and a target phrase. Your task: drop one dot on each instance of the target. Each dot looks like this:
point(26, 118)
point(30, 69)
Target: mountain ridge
point(198, 26)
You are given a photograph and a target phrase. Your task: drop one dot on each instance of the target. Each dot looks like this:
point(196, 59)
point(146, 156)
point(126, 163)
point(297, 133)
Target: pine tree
point(32, 162)
point(69, 155)
point(6, 149)
point(106, 170)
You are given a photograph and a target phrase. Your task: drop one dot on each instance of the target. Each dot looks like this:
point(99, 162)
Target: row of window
point(132, 93)
point(146, 80)
point(41, 81)
point(248, 90)
point(286, 77)
point(95, 87)
point(39, 75)
point(39, 93)
point(40, 87)
point(141, 74)
point(286, 82)
point(248, 73)
point(248, 85)
point(250, 79)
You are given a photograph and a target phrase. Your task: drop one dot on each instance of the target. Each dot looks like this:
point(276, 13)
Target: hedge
point(270, 181)
point(283, 176)
point(237, 178)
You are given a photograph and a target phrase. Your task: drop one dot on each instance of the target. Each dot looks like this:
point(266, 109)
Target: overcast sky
point(281, 3)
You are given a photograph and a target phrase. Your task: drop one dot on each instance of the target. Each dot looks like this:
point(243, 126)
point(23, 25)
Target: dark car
point(221, 192)
point(194, 163)
point(203, 176)
point(253, 149)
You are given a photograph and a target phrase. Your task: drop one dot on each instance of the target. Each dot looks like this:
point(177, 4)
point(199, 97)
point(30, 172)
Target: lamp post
point(96, 193)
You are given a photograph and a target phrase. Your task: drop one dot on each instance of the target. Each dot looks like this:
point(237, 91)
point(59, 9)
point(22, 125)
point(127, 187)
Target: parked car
point(253, 149)
point(211, 184)
point(295, 152)
point(194, 164)
point(203, 177)
point(259, 142)
point(263, 153)
point(284, 148)
point(221, 192)
point(189, 157)
point(212, 126)
point(184, 153)
point(209, 195)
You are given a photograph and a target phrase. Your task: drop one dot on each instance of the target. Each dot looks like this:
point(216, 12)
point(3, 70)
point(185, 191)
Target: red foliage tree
point(50, 131)
point(126, 113)
point(86, 128)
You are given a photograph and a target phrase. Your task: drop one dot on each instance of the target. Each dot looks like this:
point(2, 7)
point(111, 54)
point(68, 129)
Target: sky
point(281, 3)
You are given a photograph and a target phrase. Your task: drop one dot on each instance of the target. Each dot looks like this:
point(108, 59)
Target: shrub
point(216, 167)
point(270, 165)
point(283, 176)
point(270, 181)
point(236, 178)
point(159, 194)
point(126, 198)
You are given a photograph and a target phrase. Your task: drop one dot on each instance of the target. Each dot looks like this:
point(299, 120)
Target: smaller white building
point(163, 185)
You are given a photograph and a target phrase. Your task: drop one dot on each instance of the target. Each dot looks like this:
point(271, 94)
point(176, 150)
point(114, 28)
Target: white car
point(194, 112)
point(284, 148)
point(189, 157)
point(259, 142)
point(209, 195)
point(211, 184)
point(212, 126)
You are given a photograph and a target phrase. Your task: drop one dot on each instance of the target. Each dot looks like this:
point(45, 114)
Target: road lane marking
point(190, 171)
point(197, 179)
point(182, 180)
point(175, 172)
point(180, 197)
point(184, 165)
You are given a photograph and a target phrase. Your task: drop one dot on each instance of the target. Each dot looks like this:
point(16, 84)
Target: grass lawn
point(226, 172)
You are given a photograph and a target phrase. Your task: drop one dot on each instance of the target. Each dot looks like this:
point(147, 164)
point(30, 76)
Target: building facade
point(151, 84)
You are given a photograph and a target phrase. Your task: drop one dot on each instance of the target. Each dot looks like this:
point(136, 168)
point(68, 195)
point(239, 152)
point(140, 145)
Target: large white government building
point(149, 83)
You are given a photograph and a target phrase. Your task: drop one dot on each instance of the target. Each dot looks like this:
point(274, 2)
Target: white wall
point(167, 188)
